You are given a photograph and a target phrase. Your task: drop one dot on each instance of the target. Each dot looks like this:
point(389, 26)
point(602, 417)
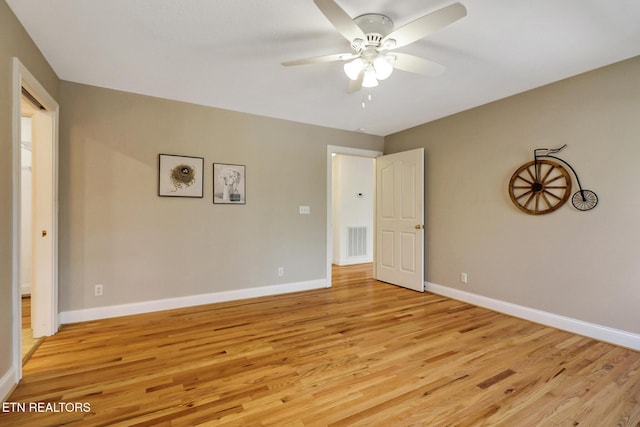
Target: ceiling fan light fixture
point(369, 79)
point(382, 67)
point(372, 36)
point(354, 68)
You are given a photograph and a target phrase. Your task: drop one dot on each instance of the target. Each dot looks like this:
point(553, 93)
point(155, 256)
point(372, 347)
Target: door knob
point(419, 226)
point(44, 233)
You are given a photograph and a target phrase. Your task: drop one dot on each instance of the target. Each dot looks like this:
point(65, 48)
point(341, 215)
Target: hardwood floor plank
point(360, 353)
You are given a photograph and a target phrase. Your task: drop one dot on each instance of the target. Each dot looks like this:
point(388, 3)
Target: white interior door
point(400, 219)
point(44, 226)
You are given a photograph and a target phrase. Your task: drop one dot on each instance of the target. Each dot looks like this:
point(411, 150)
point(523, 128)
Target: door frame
point(23, 78)
point(331, 150)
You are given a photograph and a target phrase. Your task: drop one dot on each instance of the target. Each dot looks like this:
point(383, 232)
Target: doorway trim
point(331, 150)
point(23, 78)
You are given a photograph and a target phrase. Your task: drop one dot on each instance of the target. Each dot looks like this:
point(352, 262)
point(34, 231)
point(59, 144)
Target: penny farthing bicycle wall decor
point(542, 186)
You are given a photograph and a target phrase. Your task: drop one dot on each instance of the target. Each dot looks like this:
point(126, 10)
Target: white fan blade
point(355, 85)
point(414, 64)
point(339, 18)
point(318, 59)
point(426, 25)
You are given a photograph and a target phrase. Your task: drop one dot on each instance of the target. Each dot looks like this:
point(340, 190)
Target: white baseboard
point(591, 330)
point(7, 383)
point(96, 313)
point(354, 260)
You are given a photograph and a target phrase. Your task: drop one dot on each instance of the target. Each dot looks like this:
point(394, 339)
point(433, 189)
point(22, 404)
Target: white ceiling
point(227, 53)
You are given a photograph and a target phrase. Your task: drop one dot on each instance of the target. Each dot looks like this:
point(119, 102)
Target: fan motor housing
point(375, 26)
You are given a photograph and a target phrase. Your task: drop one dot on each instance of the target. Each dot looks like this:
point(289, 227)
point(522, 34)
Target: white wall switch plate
point(305, 210)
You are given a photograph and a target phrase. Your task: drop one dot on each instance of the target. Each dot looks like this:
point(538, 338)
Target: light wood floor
point(362, 353)
point(29, 344)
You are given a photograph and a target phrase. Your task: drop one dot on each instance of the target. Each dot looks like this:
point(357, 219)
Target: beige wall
point(116, 231)
point(14, 42)
point(584, 265)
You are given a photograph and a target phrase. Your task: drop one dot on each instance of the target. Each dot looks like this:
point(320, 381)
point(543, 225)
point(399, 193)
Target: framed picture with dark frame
point(180, 176)
point(229, 184)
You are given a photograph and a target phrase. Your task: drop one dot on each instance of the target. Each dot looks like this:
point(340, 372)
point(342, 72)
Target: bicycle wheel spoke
point(525, 180)
point(546, 175)
point(546, 199)
point(533, 178)
point(523, 194)
point(529, 200)
point(552, 195)
point(553, 179)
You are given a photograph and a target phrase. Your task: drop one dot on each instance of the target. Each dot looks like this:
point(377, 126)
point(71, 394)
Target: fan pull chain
point(366, 97)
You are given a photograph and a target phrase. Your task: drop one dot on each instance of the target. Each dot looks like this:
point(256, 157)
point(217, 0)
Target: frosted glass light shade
point(383, 67)
point(369, 79)
point(354, 68)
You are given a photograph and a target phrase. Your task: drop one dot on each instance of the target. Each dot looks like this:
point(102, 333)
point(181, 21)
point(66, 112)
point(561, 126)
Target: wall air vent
point(356, 241)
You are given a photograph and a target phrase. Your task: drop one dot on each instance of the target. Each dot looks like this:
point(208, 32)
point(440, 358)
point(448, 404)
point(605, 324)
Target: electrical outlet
point(463, 277)
point(280, 271)
point(98, 290)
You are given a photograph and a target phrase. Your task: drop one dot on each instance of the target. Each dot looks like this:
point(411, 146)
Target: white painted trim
point(15, 232)
point(336, 149)
point(187, 301)
point(591, 330)
point(355, 260)
point(7, 383)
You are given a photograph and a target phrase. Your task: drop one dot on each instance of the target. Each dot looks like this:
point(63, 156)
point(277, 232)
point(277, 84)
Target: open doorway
point(399, 216)
point(35, 255)
point(331, 236)
point(353, 209)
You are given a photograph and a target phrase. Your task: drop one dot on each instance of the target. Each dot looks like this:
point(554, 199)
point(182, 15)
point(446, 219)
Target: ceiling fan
point(373, 39)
